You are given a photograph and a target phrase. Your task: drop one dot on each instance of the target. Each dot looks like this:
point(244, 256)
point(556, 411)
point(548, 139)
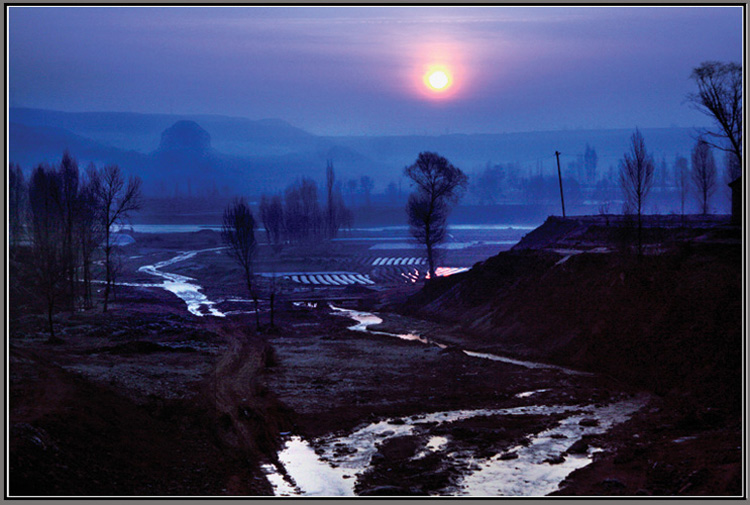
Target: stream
point(366, 319)
point(330, 465)
point(181, 285)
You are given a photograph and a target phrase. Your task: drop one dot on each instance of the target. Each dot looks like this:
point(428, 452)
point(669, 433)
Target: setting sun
point(438, 79)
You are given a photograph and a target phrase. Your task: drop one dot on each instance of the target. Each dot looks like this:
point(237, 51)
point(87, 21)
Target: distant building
point(736, 186)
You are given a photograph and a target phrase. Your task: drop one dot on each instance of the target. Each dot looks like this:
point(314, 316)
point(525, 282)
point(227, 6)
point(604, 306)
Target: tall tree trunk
point(257, 313)
point(71, 266)
point(430, 260)
point(50, 309)
point(248, 280)
point(272, 298)
point(86, 284)
point(705, 199)
point(640, 235)
point(107, 278)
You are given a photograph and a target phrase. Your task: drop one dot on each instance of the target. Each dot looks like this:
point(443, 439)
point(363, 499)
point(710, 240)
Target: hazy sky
point(360, 70)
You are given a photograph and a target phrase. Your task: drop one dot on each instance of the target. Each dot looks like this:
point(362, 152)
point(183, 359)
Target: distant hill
point(31, 145)
point(263, 155)
point(184, 161)
point(142, 132)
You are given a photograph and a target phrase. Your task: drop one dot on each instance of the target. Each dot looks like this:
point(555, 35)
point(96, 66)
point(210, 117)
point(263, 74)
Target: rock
point(579, 447)
point(555, 460)
point(377, 458)
point(508, 455)
point(343, 451)
point(588, 421)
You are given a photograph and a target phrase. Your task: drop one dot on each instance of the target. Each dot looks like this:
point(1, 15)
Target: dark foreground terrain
point(148, 399)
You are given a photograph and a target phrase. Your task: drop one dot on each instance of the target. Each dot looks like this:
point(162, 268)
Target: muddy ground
point(150, 400)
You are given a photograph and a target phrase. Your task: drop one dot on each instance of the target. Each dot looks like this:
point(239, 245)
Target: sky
point(365, 70)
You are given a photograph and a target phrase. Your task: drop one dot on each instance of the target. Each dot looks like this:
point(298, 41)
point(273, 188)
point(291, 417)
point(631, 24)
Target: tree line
point(60, 222)
point(296, 218)
point(720, 97)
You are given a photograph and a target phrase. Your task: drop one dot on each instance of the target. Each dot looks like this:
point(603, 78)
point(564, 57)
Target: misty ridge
point(217, 157)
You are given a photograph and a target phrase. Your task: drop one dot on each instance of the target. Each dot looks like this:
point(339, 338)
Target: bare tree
point(351, 190)
point(636, 179)
point(719, 96)
point(238, 233)
point(18, 197)
point(590, 160)
point(89, 229)
point(366, 185)
point(335, 211)
point(438, 185)
point(272, 214)
point(427, 224)
point(69, 178)
point(265, 205)
point(703, 173)
point(681, 178)
point(116, 201)
point(47, 237)
point(312, 215)
point(303, 218)
point(293, 213)
point(332, 225)
point(733, 167)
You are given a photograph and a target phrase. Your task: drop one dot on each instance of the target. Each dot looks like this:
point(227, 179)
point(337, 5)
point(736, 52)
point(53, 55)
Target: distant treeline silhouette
point(298, 217)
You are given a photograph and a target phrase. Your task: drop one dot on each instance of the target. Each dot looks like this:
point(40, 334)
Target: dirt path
point(128, 405)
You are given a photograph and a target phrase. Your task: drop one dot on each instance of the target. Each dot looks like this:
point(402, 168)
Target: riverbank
point(669, 322)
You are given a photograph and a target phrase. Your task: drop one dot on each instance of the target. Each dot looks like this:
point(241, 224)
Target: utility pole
point(559, 178)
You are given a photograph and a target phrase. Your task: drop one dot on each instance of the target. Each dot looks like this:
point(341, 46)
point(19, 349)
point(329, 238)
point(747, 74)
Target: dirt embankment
point(141, 401)
point(665, 321)
point(669, 322)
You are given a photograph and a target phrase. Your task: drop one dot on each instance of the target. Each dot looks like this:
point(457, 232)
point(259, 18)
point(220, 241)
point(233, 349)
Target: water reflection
point(366, 319)
point(332, 467)
point(181, 286)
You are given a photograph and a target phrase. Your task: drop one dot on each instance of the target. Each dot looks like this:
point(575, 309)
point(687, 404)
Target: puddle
point(331, 464)
point(307, 474)
point(531, 473)
point(526, 394)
